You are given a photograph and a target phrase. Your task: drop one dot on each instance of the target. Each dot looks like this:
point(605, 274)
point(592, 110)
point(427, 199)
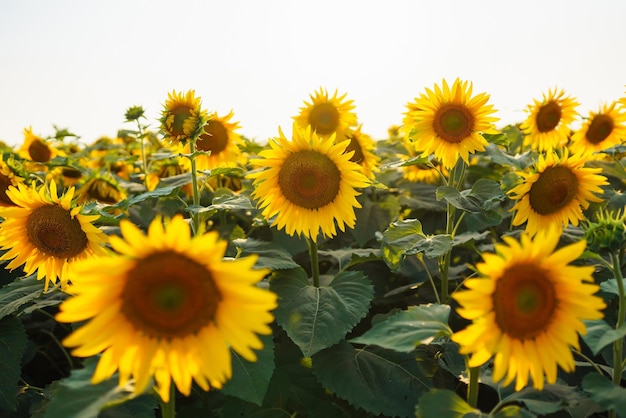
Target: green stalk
point(621, 316)
point(472, 387)
point(315, 267)
point(143, 153)
point(168, 409)
point(194, 185)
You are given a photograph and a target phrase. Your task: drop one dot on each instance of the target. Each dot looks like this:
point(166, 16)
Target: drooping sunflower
point(527, 309)
point(327, 115)
point(8, 177)
point(603, 129)
point(363, 147)
point(47, 233)
point(555, 192)
point(182, 118)
point(221, 140)
point(103, 188)
point(36, 149)
point(548, 124)
point(309, 184)
point(177, 305)
point(448, 122)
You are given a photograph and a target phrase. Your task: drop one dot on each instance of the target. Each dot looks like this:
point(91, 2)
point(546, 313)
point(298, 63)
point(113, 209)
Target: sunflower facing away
point(177, 305)
point(448, 122)
point(221, 140)
point(603, 129)
point(363, 146)
point(182, 118)
point(556, 192)
point(47, 233)
point(547, 126)
point(327, 115)
point(103, 188)
point(309, 184)
point(527, 309)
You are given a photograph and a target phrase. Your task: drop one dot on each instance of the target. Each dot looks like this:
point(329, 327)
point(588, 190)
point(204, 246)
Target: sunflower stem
point(618, 365)
point(195, 219)
point(144, 163)
point(315, 267)
point(472, 387)
point(168, 409)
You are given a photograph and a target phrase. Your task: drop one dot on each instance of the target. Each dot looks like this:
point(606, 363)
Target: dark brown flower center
point(53, 231)
point(555, 188)
point(71, 173)
point(5, 182)
point(181, 114)
point(102, 191)
point(39, 151)
point(355, 146)
point(324, 118)
point(548, 116)
point(524, 301)
point(309, 179)
point(599, 129)
point(215, 138)
point(453, 123)
point(168, 295)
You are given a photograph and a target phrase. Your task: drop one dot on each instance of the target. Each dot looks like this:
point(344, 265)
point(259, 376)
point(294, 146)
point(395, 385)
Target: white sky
point(80, 64)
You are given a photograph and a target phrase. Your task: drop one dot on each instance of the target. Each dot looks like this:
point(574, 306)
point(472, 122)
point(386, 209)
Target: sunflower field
point(457, 268)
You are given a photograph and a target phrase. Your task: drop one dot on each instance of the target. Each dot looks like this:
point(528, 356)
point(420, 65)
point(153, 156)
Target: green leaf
point(606, 393)
point(154, 194)
point(250, 379)
point(270, 254)
point(407, 329)
point(76, 397)
point(143, 406)
point(547, 401)
point(610, 285)
point(380, 381)
point(18, 293)
point(223, 202)
point(600, 334)
point(406, 238)
point(12, 346)
point(438, 403)
point(347, 258)
point(479, 198)
point(318, 317)
point(517, 162)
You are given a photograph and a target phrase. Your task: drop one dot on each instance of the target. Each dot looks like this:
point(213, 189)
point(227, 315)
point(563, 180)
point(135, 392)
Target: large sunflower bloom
point(182, 118)
point(309, 184)
point(327, 115)
point(603, 129)
point(527, 309)
point(448, 122)
point(556, 192)
point(547, 126)
point(176, 304)
point(47, 233)
point(220, 140)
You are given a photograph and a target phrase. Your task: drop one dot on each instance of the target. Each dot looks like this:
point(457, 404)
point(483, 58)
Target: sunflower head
point(448, 122)
point(548, 124)
point(555, 192)
point(327, 115)
point(9, 176)
point(603, 129)
point(46, 233)
point(362, 145)
point(309, 184)
point(607, 231)
point(35, 148)
point(527, 309)
point(182, 118)
point(220, 142)
point(178, 307)
point(103, 188)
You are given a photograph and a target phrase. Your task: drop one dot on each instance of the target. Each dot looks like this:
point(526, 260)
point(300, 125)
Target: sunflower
point(176, 304)
point(64, 176)
point(221, 141)
point(182, 118)
point(36, 149)
point(603, 129)
point(363, 146)
point(547, 126)
point(448, 122)
point(527, 309)
point(102, 188)
point(169, 167)
point(309, 184)
point(47, 233)
point(556, 192)
point(8, 177)
point(327, 116)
